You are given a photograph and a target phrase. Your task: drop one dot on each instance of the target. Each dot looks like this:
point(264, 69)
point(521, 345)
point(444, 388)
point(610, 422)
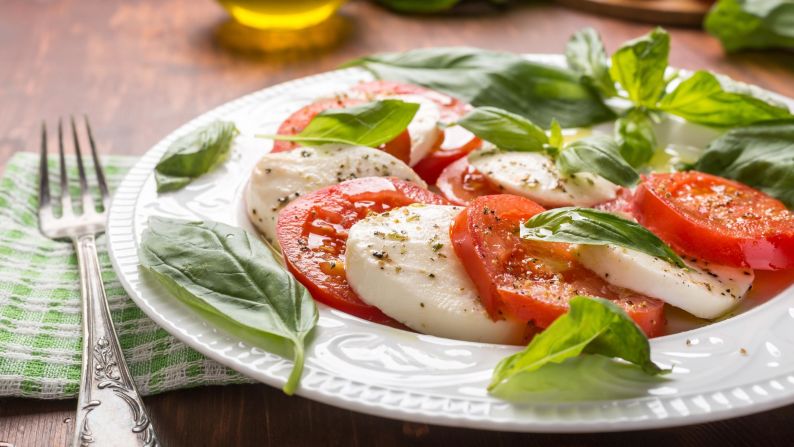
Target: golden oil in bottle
point(281, 14)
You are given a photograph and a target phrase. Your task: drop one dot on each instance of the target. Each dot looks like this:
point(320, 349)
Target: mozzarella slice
point(402, 262)
point(705, 291)
point(278, 178)
point(535, 176)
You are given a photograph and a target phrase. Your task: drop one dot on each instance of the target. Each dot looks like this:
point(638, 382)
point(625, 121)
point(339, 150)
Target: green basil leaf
point(194, 154)
point(743, 24)
point(507, 81)
point(592, 227)
point(225, 271)
point(593, 326)
point(586, 55)
point(419, 6)
point(505, 130)
point(761, 156)
point(703, 99)
point(635, 136)
point(370, 124)
point(639, 67)
point(598, 155)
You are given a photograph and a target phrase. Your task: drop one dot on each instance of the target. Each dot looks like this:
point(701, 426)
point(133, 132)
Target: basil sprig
point(194, 154)
point(597, 154)
point(223, 272)
point(635, 136)
point(370, 124)
point(745, 24)
point(639, 66)
point(507, 81)
point(593, 227)
point(591, 326)
point(586, 55)
point(761, 156)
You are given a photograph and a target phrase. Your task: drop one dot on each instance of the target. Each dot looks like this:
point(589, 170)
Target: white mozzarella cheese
point(535, 176)
point(278, 178)
point(403, 263)
point(705, 290)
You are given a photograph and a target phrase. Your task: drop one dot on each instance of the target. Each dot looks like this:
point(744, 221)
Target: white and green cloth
point(40, 332)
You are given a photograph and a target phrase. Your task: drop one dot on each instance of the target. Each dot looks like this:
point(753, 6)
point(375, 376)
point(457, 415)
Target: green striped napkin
point(40, 331)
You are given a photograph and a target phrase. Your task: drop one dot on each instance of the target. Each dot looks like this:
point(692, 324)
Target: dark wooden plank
point(142, 68)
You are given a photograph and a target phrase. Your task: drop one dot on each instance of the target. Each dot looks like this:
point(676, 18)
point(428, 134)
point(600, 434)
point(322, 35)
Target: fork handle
point(110, 411)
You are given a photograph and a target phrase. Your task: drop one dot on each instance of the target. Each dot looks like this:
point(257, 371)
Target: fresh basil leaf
point(639, 67)
point(194, 154)
point(598, 155)
point(703, 99)
point(505, 130)
point(507, 81)
point(761, 156)
point(586, 55)
point(419, 6)
point(556, 140)
point(593, 227)
point(370, 124)
point(744, 24)
point(592, 326)
point(635, 136)
point(225, 271)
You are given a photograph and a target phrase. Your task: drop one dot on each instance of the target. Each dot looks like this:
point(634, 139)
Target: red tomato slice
point(400, 147)
point(460, 183)
point(529, 280)
point(312, 232)
point(716, 219)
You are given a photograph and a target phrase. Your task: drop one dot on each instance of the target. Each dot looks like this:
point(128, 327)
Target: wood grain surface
point(141, 68)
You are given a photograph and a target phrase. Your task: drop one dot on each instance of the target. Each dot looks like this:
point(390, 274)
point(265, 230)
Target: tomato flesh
point(312, 231)
point(531, 280)
point(460, 183)
point(717, 220)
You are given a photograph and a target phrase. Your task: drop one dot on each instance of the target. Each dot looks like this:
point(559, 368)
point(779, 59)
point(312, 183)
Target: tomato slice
point(717, 219)
point(530, 280)
point(312, 231)
point(400, 147)
point(460, 183)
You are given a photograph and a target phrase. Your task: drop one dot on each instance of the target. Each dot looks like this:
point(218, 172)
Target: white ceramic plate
point(739, 366)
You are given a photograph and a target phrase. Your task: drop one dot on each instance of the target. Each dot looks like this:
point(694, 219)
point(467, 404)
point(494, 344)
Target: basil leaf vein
point(194, 154)
point(593, 326)
point(225, 271)
point(370, 124)
point(761, 156)
point(586, 55)
point(536, 91)
point(506, 130)
point(598, 155)
point(593, 227)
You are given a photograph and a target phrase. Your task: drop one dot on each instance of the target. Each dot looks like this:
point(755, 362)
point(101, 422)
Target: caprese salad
point(363, 231)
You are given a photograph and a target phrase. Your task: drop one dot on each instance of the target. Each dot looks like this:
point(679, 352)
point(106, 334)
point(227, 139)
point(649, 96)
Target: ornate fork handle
point(110, 411)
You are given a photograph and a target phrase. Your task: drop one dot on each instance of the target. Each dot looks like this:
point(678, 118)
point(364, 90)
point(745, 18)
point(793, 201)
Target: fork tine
point(66, 201)
point(85, 194)
point(100, 174)
point(44, 180)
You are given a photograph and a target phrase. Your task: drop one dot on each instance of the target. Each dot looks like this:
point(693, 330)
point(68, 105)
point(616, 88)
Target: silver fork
point(110, 411)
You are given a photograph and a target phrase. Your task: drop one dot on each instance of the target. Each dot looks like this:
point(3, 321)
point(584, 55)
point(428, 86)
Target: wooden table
point(142, 68)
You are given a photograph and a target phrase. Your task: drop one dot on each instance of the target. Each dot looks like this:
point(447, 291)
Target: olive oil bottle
point(281, 14)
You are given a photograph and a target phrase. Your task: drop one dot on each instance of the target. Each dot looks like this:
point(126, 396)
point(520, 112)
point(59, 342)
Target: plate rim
point(122, 211)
